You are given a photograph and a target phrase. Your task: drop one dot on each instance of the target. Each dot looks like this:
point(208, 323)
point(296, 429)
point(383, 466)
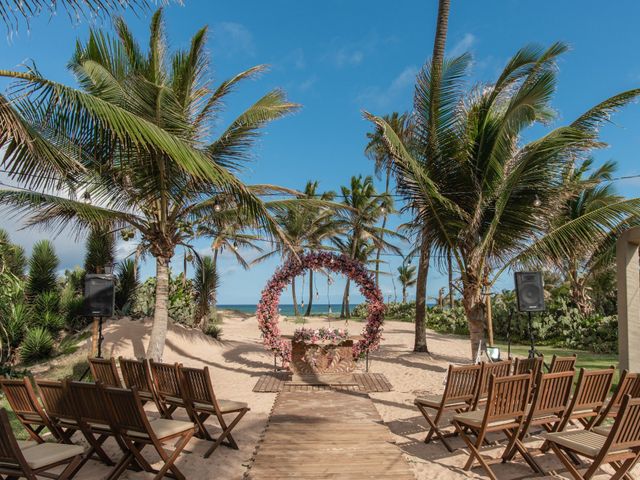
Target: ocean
point(287, 310)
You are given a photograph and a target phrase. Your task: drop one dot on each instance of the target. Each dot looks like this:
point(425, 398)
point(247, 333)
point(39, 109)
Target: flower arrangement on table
point(333, 336)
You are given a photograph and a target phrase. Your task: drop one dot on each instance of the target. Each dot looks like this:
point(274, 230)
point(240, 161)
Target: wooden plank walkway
point(283, 382)
point(326, 434)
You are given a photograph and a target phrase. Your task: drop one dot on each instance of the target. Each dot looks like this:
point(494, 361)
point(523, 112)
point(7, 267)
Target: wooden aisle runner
point(327, 434)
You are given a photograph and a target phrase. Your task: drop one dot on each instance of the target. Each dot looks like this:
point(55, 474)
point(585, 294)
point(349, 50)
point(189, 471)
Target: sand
point(239, 359)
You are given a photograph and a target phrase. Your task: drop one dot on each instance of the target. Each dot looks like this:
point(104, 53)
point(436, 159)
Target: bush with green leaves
point(213, 330)
point(182, 303)
point(126, 285)
point(12, 256)
point(395, 311)
point(37, 345)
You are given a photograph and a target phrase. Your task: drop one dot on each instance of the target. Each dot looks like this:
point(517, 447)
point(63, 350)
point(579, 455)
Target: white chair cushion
point(581, 441)
point(602, 430)
point(164, 427)
point(50, 453)
point(225, 406)
point(26, 444)
point(475, 418)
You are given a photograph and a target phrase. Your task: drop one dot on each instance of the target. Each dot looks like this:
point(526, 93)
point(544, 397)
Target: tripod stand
point(533, 353)
point(99, 352)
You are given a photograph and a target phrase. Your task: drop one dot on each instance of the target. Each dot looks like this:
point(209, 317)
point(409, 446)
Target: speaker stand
point(533, 353)
point(99, 353)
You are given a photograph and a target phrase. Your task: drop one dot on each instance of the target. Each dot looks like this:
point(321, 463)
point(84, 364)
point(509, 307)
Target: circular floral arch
point(268, 313)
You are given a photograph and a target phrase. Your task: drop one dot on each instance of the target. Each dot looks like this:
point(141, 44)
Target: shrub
point(47, 302)
point(214, 330)
point(52, 322)
point(37, 345)
point(448, 320)
point(67, 345)
point(126, 285)
point(42, 268)
point(181, 300)
point(395, 311)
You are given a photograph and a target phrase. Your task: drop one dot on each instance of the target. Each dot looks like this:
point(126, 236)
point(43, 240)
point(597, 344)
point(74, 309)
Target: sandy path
point(238, 360)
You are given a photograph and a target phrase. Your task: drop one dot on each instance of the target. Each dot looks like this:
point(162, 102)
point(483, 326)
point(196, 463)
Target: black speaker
point(530, 291)
point(99, 295)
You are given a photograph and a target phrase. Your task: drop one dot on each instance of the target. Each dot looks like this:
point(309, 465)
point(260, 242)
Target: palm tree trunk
point(161, 312)
point(474, 310)
point(404, 294)
point(420, 343)
point(346, 313)
point(214, 300)
point(309, 305)
point(295, 300)
point(450, 272)
point(441, 31)
point(384, 224)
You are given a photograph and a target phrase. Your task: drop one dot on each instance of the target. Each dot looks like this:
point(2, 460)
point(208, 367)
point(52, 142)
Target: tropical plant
point(483, 193)
point(14, 320)
point(407, 278)
point(358, 225)
point(377, 151)
point(100, 251)
point(205, 283)
point(305, 225)
point(43, 265)
point(132, 143)
point(12, 256)
point(37, 345)
point(126, 285)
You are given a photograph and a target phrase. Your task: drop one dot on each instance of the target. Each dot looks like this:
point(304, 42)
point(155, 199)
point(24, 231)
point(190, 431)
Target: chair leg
point(434, 427)
point(226, 433)
point(566, 461)
point(169, 460)
point(71, 469)
point(474, 451)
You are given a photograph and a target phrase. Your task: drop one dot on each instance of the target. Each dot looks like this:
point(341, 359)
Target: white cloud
point(384, 97)
point(231, 38)
point(463, 45)
point(346, 56)
point(307, 84)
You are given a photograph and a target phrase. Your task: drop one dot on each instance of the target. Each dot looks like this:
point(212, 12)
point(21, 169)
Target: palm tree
point(407, 278)
point(100, 250)
point(377, 151)
point(14, 11)
point(134, 140)
point(358, 223)
point(305, 223)
point(483, 193)
point(206, 282)
point(586, 260)
point(126, 284)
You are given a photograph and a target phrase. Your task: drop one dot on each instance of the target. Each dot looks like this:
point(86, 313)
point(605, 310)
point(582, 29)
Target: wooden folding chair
point(92, 418)
point(167, 385)
point(25, 405)
point(136, 373)
point(629, 384)
point(201, 403)
point(59, 408)
point(34, 461)
point(526, 365)
point(499, 369)
point(589, 397)
point(562, 364)
point(105, 371)
point(137, 431)
point(459, 396)
point(505, 412)
point(620, 448)
point(549, 406)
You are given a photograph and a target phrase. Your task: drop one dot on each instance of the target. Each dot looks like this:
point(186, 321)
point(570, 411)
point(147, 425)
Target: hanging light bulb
point(217, 207)
point(537, 202)
point(86, 197)
point(235, 245)
point(383, 209)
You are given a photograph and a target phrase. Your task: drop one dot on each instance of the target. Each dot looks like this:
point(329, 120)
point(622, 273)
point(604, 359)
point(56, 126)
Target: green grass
point(17, 427)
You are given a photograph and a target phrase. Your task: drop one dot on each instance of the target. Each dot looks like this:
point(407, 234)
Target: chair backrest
point(625, 433)
point(552, 394)
point(197, 385)
point(135, 373)
point(21, 397)
point(499, 369)
point(165, 378)
point(105, 371)
point(526, 365)
point(89, 402)
point(125, 411)
point(10, 455)
point(629, 384)
point(592, 388)
point(462, 383)
point(508, 397)
point(562, 364)
point(55, 398)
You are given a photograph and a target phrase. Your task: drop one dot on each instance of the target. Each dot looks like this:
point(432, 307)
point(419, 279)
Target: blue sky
point(337, 58)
